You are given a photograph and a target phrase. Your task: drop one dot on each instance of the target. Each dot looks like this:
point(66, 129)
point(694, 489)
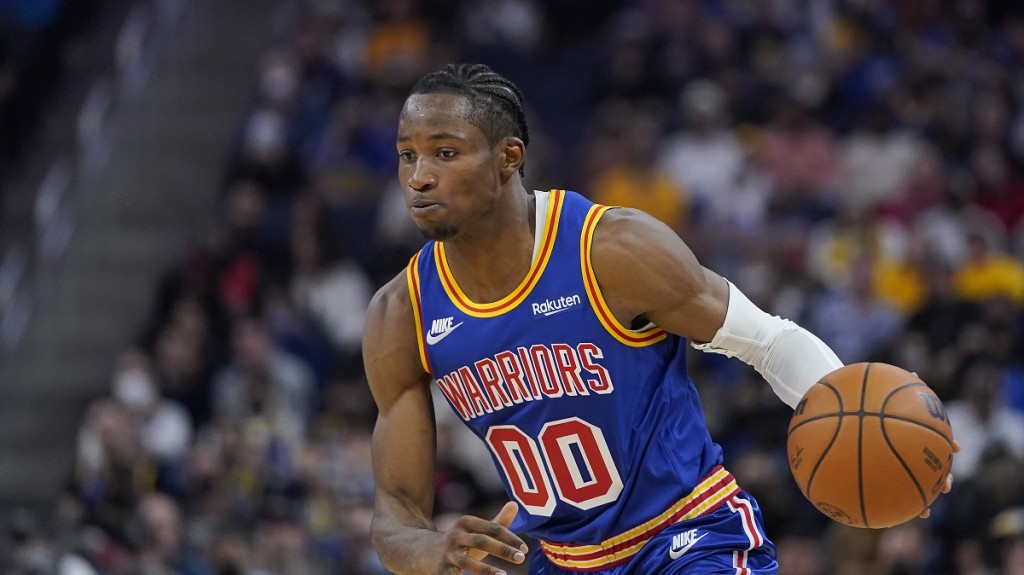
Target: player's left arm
point(647, 273)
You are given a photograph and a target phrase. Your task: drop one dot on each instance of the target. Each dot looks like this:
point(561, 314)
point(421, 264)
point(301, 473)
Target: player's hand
point(948, 486)
point(471, 539)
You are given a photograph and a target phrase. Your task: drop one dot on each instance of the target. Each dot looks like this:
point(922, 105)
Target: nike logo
point(683, 542)
point(440, 329)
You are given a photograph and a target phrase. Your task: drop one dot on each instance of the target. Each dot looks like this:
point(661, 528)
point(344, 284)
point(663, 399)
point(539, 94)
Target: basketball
point(870, 445)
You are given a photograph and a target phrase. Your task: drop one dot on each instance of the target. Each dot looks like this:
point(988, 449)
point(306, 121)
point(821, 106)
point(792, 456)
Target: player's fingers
point(947, 486)
point(507, 514)
point(493, 529)
point(467, 564)
point(481, 537)
point(479, 545)
point(956, 446)
point(504, 518)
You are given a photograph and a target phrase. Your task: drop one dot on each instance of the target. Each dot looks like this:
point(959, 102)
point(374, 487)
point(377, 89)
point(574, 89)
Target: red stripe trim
point(564, 560)
point(594, 290)
point(749, 525)
point(537, 268)
point(413, 278)
point(712, 491)
point(739, 561)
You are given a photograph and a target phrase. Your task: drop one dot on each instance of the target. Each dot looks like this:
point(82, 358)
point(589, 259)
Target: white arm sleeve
point(790, 358)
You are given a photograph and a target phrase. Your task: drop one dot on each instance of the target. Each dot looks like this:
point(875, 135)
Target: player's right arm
point(404, 535)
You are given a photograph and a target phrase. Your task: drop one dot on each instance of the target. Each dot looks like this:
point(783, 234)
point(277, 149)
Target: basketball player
point(557, 331)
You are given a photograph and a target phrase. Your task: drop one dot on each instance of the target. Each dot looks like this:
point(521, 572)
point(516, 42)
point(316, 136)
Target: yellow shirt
point(652, 191)
point(992, 277)
point(901, 285)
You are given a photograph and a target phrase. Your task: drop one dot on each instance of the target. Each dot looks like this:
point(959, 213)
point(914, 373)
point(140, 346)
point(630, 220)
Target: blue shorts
point(728, 541)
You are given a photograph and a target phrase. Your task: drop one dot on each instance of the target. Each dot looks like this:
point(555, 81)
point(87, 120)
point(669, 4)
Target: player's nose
point(421, 177)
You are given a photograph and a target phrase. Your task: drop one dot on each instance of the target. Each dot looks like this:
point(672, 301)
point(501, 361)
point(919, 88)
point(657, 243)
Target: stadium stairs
point(126, 171)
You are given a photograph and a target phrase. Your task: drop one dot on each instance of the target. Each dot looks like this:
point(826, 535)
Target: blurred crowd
point(854, 165)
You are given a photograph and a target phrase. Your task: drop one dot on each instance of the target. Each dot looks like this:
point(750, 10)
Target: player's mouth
point(423, 206)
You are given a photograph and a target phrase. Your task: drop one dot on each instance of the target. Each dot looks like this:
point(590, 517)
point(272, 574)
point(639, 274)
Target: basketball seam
point(908, 420)
point(860, 445)
point(885, 434)
point(915, 422)
point(835, 435)
point(872, 414)
point(899, 457)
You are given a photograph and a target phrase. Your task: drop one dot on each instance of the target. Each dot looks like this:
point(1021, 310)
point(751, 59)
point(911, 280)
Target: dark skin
point(467, 192)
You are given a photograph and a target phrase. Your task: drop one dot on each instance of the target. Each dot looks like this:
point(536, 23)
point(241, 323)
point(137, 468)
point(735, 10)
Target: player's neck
point(489, 265)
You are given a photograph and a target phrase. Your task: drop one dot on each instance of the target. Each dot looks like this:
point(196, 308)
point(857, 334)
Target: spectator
point(164, 425)
point(158, 537)
point(943, 328)
point(112, 473)
point(1007, 529)
point(903, 550)
point(878, 159)
point(980, 419)
point(704, 156)
point(181, 369)
point(398, 45)
point(945, 227)
point(851, 318)
point(986, 273)
point(281, 543)
point(266, 383)
point(802, 160)
point(1000, 190)
point(330, 287)
point(633, 179)
point(924, 187)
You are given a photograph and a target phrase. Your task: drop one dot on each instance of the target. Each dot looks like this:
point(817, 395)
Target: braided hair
point(497, 104)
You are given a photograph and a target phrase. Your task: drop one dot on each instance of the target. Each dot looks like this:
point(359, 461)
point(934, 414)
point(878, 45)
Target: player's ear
point(512, 155)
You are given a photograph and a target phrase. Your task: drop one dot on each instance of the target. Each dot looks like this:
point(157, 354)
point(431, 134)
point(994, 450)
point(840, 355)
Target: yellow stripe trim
point(604, 314)
point(633, 549)
point(721, 494)
point(701, 488)
point(513, 299)
point(412, 276)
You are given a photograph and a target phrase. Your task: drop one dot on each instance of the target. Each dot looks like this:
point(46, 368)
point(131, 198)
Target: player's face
point(448, 171)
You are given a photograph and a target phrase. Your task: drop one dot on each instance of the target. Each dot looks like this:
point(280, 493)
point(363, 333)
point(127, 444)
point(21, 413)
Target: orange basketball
point(870, 445)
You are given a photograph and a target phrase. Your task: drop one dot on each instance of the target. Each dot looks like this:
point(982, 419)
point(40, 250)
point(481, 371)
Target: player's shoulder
point(635, 247)
point(391, 353)
point(390, 313)
point(632, 231)
point(391, 298)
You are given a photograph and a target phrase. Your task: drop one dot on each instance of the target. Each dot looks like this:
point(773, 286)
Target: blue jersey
point(596, 429)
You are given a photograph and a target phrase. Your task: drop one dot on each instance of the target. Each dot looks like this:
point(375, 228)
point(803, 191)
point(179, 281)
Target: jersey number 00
point(571, 451)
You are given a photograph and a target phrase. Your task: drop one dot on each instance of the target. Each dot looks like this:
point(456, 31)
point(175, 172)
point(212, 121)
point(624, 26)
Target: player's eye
point(446, 153)
point(405, 156)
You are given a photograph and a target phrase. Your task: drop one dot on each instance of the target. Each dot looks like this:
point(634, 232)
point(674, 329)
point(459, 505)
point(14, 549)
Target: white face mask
point(135, 389)
point(265, 131)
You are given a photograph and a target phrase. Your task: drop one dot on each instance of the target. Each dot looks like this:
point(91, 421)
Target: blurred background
point(198, 198)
